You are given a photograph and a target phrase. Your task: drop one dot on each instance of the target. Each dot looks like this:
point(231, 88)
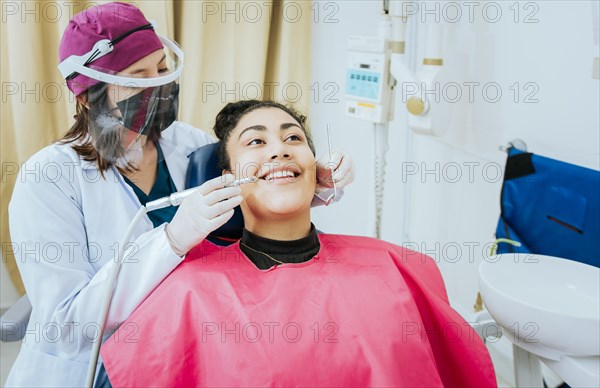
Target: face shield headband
point(75, 64)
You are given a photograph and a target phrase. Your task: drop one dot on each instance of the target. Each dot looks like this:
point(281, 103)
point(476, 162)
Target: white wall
point(448, 216)
point(354, 214)
point(554, 55)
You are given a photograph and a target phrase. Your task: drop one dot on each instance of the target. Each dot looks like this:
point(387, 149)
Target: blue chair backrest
point(551, 207)
point(204, 166)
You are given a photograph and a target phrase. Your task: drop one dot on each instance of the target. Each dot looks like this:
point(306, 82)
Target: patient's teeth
point(279, 174)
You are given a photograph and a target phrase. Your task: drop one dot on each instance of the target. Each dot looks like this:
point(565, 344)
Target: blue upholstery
point(551, 207)
point(204, 166)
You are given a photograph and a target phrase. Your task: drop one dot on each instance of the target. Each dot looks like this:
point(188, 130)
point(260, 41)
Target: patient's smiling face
point(270, 144)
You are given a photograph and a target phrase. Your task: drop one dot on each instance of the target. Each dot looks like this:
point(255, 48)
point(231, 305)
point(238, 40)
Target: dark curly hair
point(230, 115)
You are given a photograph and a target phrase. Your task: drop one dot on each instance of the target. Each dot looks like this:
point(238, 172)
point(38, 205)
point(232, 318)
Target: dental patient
point(287, 306)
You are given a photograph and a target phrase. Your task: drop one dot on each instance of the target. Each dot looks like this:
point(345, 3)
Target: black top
point(296, 251)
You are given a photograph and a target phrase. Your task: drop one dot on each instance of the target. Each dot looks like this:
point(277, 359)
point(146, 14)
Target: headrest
point(204, 166)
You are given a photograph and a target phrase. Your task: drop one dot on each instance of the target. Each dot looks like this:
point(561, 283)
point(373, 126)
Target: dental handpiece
point(176, 199)
point(238, 182)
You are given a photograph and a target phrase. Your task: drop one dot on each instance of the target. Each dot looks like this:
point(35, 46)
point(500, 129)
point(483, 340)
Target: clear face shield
point(128, 108)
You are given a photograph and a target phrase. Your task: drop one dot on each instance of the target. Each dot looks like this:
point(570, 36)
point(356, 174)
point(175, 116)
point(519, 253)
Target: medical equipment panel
point(367, 75)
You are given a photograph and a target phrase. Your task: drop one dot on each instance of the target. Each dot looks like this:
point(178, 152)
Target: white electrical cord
point(107, 299)
point(381, 147)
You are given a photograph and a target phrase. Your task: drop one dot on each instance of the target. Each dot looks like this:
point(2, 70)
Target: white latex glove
point(203, 212)
point(343, 170)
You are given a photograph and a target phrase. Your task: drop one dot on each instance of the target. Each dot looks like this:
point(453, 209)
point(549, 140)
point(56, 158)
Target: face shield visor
point(128, 108)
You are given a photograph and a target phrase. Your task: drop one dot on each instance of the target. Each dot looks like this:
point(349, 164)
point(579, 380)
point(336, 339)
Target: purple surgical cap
point(107, 21)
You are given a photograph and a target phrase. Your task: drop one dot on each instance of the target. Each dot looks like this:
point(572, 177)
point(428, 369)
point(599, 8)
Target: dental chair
point(203, 166)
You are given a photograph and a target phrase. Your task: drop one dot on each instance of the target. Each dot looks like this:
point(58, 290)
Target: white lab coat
point(66, 223)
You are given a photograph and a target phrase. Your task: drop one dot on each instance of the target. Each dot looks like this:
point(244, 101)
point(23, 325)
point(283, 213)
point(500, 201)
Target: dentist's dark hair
point(81, 133)
point(230, 115)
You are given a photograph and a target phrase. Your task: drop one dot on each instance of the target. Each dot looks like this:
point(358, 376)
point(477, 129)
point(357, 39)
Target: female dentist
point(74, 199)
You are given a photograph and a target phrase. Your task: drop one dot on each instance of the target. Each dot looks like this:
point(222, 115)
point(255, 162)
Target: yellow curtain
point(233, 50)
point(240, 50)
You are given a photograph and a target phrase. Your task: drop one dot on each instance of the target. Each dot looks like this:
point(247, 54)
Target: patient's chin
point(286, 204)
point(280, 204)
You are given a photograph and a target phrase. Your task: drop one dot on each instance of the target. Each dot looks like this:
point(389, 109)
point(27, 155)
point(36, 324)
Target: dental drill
point(174, 199)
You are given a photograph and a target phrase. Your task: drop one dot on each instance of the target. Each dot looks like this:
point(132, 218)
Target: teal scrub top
point(163, 187)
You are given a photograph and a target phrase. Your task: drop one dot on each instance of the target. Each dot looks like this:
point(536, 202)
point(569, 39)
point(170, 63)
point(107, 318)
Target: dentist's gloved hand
point(343, 170)
point(203, 212)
